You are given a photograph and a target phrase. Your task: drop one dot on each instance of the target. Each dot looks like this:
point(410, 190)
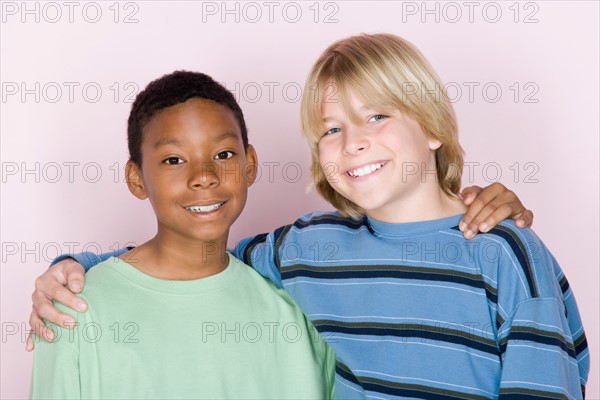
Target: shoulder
point(320, 225)
point(290, 241)
point(97, 280)
point(523, 243)
point(509, 231)
point(521, 251)
point(253, 282)
point(247, 274)
point(101, 272)
point(312, 224)
point(104, 281)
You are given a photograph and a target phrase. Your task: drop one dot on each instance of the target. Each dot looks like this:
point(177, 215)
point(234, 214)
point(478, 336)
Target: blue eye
point(332, 131)
point(377, 118)
point(173, 161)
point(224, 155)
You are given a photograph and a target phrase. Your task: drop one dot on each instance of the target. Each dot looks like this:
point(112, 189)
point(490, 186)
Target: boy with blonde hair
point(411, 307)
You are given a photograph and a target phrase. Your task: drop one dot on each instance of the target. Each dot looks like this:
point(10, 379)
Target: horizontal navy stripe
point(396, 389)
point(424, 393)
point(528, 394)
point(532, 337)
point(330, 220)
point(406, 333)
point(370, 273)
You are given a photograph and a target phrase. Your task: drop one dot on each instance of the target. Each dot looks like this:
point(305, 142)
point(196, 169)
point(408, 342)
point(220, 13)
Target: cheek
point(411, 146)
point(329, 167)
point(161, 186)
point(326, 153)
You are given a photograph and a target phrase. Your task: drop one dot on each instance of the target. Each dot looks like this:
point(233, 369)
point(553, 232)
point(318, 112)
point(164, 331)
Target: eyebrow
point(219, 138)
point(361, 109)
point(165, 142)
point(226, 135)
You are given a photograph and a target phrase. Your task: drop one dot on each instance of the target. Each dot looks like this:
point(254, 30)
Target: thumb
point(75, 277)
point(469, 194)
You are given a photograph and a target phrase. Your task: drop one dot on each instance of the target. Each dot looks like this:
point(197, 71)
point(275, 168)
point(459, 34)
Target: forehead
point(192, 117)
point(335, 96)
point(348, 101)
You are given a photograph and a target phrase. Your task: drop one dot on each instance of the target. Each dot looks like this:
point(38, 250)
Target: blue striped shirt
point(414, 310)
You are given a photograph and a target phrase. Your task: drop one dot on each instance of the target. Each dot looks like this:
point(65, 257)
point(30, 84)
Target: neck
point(427, 202)
point(177, 258)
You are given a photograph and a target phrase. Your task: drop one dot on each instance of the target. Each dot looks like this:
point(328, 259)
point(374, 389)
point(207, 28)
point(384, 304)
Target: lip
point(366, 176)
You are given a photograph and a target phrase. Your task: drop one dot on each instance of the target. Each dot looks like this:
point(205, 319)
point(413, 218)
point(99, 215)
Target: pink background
point(543, 142)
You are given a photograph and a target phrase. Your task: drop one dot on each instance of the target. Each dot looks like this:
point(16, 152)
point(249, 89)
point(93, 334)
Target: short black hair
point(172, 89)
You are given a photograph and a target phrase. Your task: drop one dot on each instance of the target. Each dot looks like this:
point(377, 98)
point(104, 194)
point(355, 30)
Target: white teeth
point(365, 170)
point(204, 209)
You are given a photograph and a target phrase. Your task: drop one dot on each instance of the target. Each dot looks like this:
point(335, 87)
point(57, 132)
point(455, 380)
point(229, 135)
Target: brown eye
point(224, 155)
point(173, 161)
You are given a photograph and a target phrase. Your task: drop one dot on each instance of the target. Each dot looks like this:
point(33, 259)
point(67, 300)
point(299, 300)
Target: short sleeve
point(56, 365)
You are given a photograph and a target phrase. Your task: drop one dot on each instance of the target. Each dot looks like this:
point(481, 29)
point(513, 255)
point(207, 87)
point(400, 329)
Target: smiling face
point(195, 170)
point(380, 162)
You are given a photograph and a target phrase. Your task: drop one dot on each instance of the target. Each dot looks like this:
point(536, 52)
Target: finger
point(54, 273)
point(75, 276)
point(55, 291)
point(38, 326)
point(488, 217)
point(469, 194)
point(29, 343)
point(473, 210)
point(486, 195)
point(491, 215)
point(46, 310)
point(524, 219)
point(501, 213)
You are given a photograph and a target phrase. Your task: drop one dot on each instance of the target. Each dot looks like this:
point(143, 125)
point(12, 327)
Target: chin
point(366, 204)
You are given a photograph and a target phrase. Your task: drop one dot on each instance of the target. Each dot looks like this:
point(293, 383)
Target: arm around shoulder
point(259, 253)
point(88, 260)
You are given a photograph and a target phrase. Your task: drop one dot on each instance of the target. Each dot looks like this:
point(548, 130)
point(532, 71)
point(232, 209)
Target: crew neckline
point(413, 228)
point(189, 287)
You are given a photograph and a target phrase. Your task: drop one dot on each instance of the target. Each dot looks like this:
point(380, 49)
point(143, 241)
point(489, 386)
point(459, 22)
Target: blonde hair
point(388, 73)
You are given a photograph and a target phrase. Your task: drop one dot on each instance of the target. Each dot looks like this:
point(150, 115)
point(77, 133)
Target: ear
point(251, 169)
point(134, 180)
point(434, 144)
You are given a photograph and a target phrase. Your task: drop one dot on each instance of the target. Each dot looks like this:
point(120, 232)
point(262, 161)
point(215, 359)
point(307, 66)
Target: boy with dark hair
point(248, 339)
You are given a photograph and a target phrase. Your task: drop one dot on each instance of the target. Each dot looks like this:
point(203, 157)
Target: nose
point(355, 140)
point(204, 176)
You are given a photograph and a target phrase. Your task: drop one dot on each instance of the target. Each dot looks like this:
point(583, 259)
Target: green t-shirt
point(230, 335)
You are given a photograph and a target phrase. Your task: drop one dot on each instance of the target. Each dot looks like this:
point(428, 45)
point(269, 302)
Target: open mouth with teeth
point(366, 170)
point(205, 209)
